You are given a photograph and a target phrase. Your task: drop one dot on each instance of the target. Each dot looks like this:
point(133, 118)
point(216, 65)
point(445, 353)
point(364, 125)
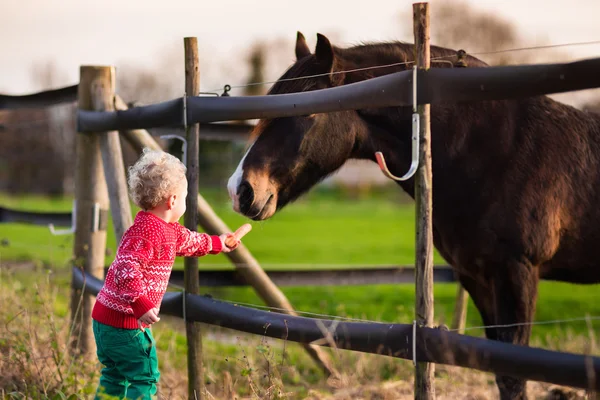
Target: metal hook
point(184, 150)
point(460, 58)
point(226, 90)
point(73, 221)
point(95, 221)
point(414, 164)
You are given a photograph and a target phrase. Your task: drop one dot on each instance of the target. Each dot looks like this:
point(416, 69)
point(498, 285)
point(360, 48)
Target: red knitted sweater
point(138, 277)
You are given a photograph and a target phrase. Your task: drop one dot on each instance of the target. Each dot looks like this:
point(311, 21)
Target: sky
point(149, 33)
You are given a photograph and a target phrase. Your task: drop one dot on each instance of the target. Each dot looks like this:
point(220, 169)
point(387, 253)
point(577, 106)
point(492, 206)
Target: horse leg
point(507, 296)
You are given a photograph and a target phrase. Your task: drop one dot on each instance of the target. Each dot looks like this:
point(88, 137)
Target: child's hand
point(149, 318)
point(229, 242)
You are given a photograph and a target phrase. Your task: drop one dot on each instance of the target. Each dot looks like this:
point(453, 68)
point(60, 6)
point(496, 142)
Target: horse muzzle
point(254, 201)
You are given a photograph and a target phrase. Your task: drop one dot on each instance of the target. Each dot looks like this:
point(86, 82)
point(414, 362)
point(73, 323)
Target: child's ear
point(171, 202)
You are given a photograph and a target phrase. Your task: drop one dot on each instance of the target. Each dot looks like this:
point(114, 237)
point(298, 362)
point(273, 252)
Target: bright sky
point(129, 33)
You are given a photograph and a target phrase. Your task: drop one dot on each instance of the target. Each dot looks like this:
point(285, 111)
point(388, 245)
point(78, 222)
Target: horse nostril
point(246, 196)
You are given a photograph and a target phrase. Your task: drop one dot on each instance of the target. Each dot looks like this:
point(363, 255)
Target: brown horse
point(516, 183)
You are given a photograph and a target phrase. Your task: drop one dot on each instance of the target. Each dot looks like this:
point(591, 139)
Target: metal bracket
point(103, 216)
point(184, 155)
point(414, 164)
point(414, 343)
point(96, 218)
point(57, 232)
point(99, 218)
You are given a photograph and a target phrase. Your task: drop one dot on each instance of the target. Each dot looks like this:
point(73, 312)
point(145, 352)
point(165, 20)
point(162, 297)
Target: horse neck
point(391, 136)
point(390, 131)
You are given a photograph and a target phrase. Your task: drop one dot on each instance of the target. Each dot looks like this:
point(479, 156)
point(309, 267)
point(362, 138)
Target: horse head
point(290, 155)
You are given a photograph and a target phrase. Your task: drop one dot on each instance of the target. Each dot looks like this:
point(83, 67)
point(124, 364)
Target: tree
point(458, 25)
point(256, 64)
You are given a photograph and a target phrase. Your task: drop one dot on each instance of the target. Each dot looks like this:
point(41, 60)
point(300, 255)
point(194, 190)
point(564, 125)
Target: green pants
point(130, 363)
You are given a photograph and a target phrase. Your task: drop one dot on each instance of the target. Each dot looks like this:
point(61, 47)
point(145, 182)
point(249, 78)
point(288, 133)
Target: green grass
point(321, 230)
point(315, 231)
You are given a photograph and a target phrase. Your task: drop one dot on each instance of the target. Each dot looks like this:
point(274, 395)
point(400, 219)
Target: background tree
point(460, 25)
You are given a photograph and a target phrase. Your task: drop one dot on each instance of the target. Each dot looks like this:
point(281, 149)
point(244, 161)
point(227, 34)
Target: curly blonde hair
point(154, 177)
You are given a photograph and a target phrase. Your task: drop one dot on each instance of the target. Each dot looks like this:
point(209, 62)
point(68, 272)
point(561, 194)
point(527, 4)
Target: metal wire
point(479, 53)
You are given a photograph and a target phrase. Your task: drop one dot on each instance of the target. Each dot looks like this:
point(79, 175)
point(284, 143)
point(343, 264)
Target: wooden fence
point(101, 114)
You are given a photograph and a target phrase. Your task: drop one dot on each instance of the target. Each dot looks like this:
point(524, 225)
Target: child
point(137, 280)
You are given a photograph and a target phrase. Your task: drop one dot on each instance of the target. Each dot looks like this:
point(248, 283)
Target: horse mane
point(363, 55)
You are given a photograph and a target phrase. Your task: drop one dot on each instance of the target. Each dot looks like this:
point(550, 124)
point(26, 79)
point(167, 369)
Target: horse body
point(520, 182)
point(515, 182)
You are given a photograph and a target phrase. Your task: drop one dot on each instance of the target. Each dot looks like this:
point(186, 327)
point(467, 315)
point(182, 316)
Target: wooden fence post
point(91, 209)
point(103, 93)
point(424, 373)
point(192, 281)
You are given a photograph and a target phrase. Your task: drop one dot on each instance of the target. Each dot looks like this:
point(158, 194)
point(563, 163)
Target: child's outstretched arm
point(196, 244)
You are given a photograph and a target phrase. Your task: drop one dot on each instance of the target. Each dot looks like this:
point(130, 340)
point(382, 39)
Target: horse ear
point(302, 49)
point(324, 52)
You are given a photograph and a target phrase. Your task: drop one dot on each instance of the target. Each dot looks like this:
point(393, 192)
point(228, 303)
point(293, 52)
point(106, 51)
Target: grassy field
point(320, 230)
point(316, 230)
point(36, 364)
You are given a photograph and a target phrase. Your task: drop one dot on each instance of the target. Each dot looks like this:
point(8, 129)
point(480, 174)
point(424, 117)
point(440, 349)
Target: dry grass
point(34, 362)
